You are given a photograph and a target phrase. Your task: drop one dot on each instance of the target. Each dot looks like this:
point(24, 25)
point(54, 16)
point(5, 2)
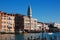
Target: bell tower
point(29, 12)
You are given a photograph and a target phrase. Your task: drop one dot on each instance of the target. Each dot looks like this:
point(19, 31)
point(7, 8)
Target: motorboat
point(50, 33)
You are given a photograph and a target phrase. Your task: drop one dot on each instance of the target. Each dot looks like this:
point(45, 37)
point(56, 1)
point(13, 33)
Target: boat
point(50, 33)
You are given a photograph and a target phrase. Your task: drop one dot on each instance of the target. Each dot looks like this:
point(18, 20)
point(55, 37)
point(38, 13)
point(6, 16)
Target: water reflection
point(29, 36)
point(19, 36)
point(7, 37)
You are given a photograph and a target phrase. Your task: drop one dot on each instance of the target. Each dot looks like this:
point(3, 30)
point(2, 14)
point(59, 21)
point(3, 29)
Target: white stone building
point(57, 25)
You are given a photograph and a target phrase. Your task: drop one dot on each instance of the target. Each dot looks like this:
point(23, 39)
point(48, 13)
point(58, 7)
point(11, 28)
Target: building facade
point(57, 25)
point(13, 23)
point(7, 22)
point(30, 24)
point(46, 28)
point(39, 26)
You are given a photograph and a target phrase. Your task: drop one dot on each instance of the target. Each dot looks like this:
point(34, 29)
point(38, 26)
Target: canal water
point(31, 36)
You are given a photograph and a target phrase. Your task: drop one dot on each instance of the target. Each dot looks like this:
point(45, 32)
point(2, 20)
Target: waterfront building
point(6, 22)
point(39, 26)
point(19, 23)
point(11, 22)
point(57, 25)
point(46, 28)
point(30, 24)
point(53, 27)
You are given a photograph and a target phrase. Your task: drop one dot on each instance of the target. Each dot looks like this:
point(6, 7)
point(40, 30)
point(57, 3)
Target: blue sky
point(43, 10)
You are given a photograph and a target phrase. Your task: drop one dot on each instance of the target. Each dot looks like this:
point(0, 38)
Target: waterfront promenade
point(30, 36)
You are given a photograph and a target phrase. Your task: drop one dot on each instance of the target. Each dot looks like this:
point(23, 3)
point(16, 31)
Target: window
point(9, 27)
point(27, 24)
point(3, 22)
point(35, 21)
point(4, 26)
point(10, 30)
point(9, 18)
point(0, 18)
point(4, 29)
point(4, 18)
point(9, 23)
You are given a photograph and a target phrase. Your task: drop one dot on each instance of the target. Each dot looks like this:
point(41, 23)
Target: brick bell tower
point(29, 12)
